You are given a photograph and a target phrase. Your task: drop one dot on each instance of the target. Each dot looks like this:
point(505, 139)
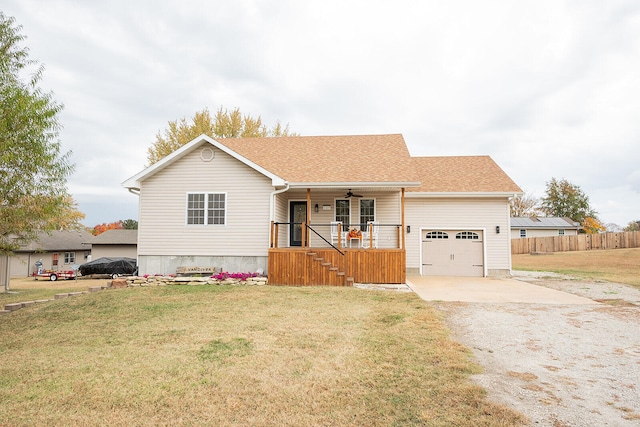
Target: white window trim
point(335, 210)
point(206, 209)
point(375, 207)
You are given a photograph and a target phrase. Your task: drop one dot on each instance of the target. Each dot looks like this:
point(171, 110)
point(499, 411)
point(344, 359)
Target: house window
point(206, 208)
point(436, 235)
point(69, 257)
point(523, 233)
point(343, 213)
point(561, 232)
point(54, 260)
point(216, 209)
point(367, 212)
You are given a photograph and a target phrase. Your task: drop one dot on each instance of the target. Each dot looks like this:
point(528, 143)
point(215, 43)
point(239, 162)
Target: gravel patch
point(560, 365)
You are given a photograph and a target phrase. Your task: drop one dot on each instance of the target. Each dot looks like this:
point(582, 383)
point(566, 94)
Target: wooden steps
point(324, 273)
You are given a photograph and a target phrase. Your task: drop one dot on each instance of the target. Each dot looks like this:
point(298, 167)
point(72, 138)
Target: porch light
point(408, 229)
point(315, 208)
point(497, 229)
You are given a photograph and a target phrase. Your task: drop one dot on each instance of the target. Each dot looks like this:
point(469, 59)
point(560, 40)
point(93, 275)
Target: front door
point(297, 215)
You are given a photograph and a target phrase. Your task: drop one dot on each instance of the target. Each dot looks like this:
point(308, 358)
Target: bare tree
point(525, 206)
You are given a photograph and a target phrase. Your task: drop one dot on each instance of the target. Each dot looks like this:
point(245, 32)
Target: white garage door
point(452, 253)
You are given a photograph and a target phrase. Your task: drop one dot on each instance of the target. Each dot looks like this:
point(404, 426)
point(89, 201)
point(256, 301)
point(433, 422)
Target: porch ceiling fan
point(350, 194)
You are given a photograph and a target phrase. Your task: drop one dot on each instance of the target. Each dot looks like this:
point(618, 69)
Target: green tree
point(33, 170)
point(130, 224)
point(226, 124)
point(564, 199)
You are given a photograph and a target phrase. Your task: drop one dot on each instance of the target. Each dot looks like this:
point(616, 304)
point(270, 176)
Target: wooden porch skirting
point(327, 267)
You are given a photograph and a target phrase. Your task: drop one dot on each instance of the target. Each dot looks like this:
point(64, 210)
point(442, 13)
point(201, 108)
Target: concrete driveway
point(491, 290)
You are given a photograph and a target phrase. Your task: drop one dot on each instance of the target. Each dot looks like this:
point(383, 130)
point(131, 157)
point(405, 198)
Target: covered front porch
point(310, 246)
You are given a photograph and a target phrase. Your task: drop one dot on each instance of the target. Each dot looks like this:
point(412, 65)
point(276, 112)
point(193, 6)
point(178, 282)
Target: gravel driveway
point(560, 365)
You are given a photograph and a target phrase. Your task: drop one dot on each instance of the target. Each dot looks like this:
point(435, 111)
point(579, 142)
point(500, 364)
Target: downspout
point(272, 201)
point(509, 233)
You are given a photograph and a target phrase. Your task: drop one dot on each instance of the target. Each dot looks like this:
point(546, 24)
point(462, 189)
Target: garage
point(452, 253)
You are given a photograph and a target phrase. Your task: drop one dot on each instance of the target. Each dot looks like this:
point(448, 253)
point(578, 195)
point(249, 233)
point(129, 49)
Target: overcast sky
point(546, 88)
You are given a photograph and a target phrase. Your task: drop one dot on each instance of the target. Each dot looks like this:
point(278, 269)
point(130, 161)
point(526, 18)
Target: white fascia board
point(351, 184)
point(428, 195)
point(134, 181)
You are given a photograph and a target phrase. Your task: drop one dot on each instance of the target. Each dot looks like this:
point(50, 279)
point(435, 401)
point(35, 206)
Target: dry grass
point(231, 356)
point(614, 265)
point(29, 289)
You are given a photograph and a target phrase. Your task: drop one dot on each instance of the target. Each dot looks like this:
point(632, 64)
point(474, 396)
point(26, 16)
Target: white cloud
point(547, 88)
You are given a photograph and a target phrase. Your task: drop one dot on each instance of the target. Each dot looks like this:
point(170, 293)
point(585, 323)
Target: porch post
point(271, 235)
point(403, 229)
point(275, 232)
point(305, 238)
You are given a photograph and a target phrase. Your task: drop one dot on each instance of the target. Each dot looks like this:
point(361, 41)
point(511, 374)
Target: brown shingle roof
point(473, 174)
point(357, 158)
point(68, 240)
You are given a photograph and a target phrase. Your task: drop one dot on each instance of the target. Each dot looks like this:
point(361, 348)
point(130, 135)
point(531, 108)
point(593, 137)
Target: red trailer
point(55, 275)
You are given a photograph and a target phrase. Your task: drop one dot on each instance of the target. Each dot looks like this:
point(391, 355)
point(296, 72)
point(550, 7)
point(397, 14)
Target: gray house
point(543, 227)
point(115, 243)
point(60, 250)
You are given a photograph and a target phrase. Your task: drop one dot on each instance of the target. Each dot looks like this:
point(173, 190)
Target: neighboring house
point(60, 250)
point(239, 204)
point(115, 244)
point(543, 227)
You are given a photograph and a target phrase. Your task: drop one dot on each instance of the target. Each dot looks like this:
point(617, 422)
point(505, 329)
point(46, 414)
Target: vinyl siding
point(22, 265)
point(533, 232)
point(461, 214)
point(113, 251)
point(163, 228)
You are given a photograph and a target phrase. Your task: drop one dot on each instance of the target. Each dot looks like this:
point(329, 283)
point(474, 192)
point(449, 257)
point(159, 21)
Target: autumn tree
point(593, 226)
point(33, 169)
point(225, 124)
point(525, 206)
point(101, 228)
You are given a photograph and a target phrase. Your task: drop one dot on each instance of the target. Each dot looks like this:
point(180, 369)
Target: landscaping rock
point(119, 283)
point(13, 307)
point(136, 281)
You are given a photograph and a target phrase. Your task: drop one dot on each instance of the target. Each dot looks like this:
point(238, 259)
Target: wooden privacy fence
point(581, 242)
